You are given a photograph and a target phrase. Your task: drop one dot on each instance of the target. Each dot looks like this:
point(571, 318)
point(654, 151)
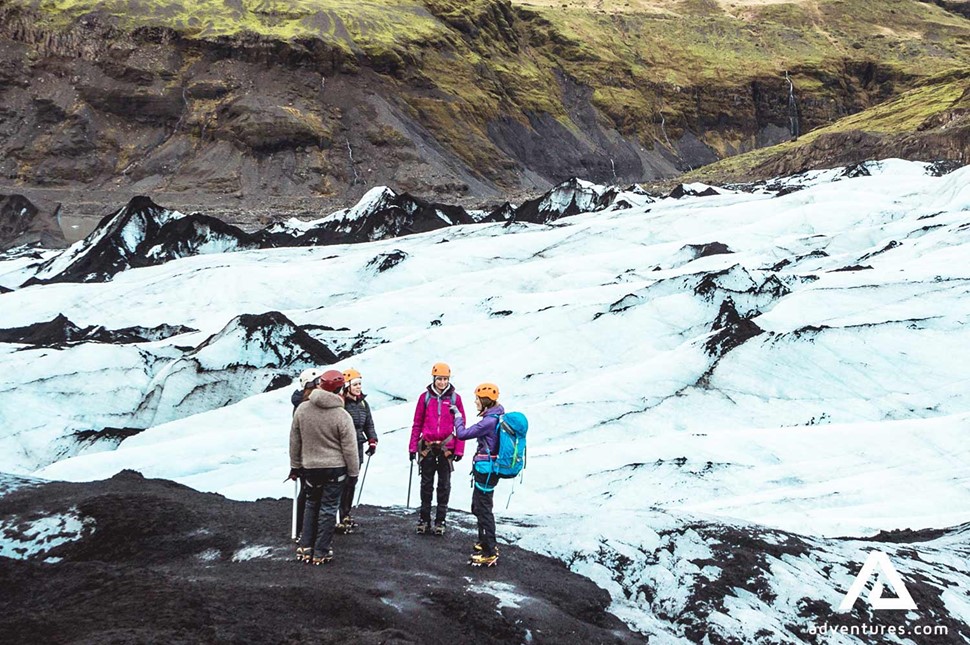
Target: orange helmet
point(441, 369)
point(487, 390)
point(350, 375)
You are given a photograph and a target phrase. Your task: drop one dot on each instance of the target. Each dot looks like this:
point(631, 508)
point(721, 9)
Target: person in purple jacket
point(483, 465)
point(433, 439)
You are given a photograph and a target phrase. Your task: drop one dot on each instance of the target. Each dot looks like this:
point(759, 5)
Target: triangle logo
point(878, 560)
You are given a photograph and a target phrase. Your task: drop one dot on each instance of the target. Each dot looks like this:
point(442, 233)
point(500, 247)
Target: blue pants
point(323, 489)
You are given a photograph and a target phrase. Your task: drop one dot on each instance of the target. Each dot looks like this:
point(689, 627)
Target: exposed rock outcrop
point(23, 222)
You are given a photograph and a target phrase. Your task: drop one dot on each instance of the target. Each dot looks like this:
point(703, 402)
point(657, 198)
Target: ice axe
point(360, 491)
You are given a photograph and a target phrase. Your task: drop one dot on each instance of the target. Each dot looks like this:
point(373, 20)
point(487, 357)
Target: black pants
point(482, 510)
point(435, 463)
point(323, 488)
point(347, 497)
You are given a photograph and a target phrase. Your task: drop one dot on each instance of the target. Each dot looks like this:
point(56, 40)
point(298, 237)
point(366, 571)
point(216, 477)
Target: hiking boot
point(304, 553)
point(439, 528)
point(424, 527)
point(483, 560)
point(345, 526)
point(323, 558)
point(478, 548)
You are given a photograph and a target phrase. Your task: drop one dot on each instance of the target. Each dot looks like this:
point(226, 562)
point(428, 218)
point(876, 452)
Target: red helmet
point(332, 380)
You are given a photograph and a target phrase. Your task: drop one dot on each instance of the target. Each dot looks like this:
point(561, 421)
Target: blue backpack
point(512, 429)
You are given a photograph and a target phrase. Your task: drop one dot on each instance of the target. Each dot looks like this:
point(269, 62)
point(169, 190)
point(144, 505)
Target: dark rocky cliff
point(257, 112)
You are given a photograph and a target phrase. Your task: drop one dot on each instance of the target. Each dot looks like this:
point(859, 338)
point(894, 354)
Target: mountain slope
point(298, 106)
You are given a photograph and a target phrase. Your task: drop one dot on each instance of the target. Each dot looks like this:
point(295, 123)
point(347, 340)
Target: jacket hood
point(324, 399)
point(447, 392)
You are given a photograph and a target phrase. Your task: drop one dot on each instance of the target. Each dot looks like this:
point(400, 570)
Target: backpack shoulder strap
point(498, 429)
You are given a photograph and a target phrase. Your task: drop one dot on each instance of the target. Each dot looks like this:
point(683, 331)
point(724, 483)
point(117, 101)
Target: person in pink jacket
point(434, 444)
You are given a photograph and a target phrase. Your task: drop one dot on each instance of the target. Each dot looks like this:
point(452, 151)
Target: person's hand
point(457, 457)
point(413, 455)
point(371, 447)
point(453, 409)
point(294, 474)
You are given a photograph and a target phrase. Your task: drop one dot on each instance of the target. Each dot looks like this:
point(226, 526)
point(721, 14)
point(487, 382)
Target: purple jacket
point(433, 420)
point(486, 431)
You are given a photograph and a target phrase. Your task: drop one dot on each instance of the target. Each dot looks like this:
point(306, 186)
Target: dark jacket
point(363, 420)
point(296, 398)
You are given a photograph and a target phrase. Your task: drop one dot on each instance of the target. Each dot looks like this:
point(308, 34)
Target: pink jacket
point(433, 420)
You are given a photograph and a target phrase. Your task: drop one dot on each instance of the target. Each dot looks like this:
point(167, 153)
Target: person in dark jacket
point(307, 380)
point(483, 465)
point(355, 402)
point(323, 448)
point(433, 439)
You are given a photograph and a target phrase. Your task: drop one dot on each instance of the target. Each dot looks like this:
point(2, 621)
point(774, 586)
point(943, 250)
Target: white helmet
point(308, 375)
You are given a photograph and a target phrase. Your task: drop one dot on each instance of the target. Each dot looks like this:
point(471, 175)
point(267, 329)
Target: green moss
point(627, 108)
point(698, 43)
point(904, 114)
point(363, 23)
point(456, 124)
point(385, 136)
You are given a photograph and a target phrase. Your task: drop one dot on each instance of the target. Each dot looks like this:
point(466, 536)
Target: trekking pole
point(410, 479)
point(296, 494)
point(360, 491)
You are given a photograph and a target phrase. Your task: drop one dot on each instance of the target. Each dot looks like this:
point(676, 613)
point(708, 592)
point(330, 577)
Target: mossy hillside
point(916, 110)
point(646, 64)
point(692, 43)
point(284, 19)
point(706, 43)
point(688, 64)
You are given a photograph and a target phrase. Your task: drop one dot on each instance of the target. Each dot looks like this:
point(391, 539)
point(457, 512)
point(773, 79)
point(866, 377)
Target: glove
point(457, 457)
point(413, 455)
point(454, 410)
point(294, 474)
point(371, 447)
